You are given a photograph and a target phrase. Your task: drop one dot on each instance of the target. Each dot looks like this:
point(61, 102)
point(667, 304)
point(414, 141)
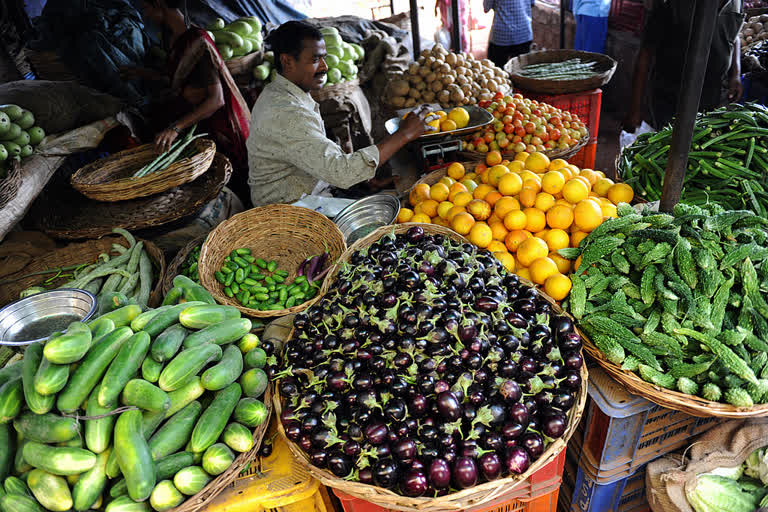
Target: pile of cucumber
point(679, 299)
point(133, 411)
point(259, 284)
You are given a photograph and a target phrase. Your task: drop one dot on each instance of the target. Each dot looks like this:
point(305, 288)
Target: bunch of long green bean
point(175, 153)
point(571, 69)
point(727, 163)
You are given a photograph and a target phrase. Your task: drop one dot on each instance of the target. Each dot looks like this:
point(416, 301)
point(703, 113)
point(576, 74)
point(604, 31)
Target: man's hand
point(735, 89)
point(415, 124)
point(165, 138)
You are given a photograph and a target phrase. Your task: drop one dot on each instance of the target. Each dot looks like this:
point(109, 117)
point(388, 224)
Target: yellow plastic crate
point(273, 484)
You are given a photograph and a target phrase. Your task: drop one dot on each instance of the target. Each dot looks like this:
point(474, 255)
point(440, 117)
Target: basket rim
point(493, 489)
point(564, 154)
point(561, 86)
point(178, 259)
point(210, 283)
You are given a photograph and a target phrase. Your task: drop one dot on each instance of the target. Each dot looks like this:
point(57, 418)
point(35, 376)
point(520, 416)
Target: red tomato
point(509, 128)
point(507, 119)
point(489, 137)
point(503, 143)
point(520, 131)
point(529, 127)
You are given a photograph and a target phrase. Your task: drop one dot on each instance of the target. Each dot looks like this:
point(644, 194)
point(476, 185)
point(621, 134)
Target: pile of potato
point(450, 79)
point(755, 29)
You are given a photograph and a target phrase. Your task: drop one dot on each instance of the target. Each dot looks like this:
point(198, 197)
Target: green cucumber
point(37, 403)
point(51, 491)
point(20, 466)
point(123, 367)
point(217, 459)
point(151, 369)
point(164, 468)
point(98, 432)
point(126, 504)
point(248, 342)
point(11, 399)
point(254, 382)
point(225, 372)
point(71, 346)
point(145, 395)
point(143, 319)
point(91, 369)
point(213, 420)
point(187, 364)
point(175, 433)
point(10, 371)
point(102, 328)
point(15, 485)
point(183, 396)
point(50, 378)
point(255, 358)
point(200, 317)
point(59, 460)
point(227, 331)
point(19, 503)
point(91, 484)
point(165, 496)
point(6, 454)
point(120, 317)
point(238, 437)
point(133, 455)
point(167, 343)
point(165, 319)
point(191, 480)
point(46, 428)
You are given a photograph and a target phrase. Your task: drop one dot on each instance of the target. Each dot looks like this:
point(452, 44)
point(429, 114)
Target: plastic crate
point(544, 503)
point(585, 158)
point(277, 483)
point(621, 431)
point(585, 104)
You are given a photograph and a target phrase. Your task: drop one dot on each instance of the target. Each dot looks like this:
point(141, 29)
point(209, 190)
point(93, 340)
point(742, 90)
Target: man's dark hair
point(289, 38)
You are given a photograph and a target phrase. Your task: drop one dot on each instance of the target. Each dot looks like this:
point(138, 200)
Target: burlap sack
point(727, 445)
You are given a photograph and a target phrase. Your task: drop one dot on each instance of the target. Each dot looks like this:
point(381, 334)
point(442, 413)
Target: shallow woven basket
point(283, 233)
point(335, 90)
point(605, 68)
point(209, 492)
point(74, 254)
point(64, 213)
point(111, 178)
point(460, 500)
point(690, 404)
point(174, 267)
point(565, 153)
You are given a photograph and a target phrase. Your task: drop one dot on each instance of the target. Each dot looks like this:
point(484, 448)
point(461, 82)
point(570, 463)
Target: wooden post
point(415, 29)
point(456, 32)
point(696, 56)
point(563, 4)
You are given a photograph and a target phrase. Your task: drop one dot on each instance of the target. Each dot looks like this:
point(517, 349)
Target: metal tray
point(478, 117)
point(366, 215)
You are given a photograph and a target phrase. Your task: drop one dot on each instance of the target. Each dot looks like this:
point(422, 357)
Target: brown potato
point(450, 59)
point(436, 86)
point(399, 87)
point(443, 97)
point(457, 96)
point(448, 79)
point(430, 77)
point(398, 101)
point(493, 86)
point(410, 102)
point(414, 93)
point(428, 96)
point(413, 68)
point(421, 86)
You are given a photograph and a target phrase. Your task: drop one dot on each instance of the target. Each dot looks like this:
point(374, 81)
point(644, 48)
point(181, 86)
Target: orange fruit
point(456, 171)
point(470, 176)
point(441, 114)
point(428, 207)
point(498, 231)
point(443, 209)
point(536, 220)
point(493, 158)
point(506, 259)
point(552, 182)
point(563, 265)
point(531, 249)
point(591, 176)
point(510, 184)
point(404, 215)
point(583, 179)
point(481, 191)
point(544, 201)
point(537, 162)
point(575, 190)
point(462, 223)
point(455, 210)
point(523, 273)
point(418, 193)
point(515, 238)
point(522, 156)
point(421, 217)
point(435, 123)
point(441, 222)
point(448, 181)
point(439, 192)
point(460, 116)
point(516, 219)
point(559, 217)
point(527, 197)
point(602, 186)
point(493, 219)
point(577, 264)
point(456, 188)
point(557, 163)
point(480, 167)
point(556, 239)
point(541, 269)
point(447, 125)
point(587, 215)
point(479, 209)
point(505, 205)
point(609, 210)
point(620, 193)
point(462, 199)
point(492, 197)
point(516, 166)
point(471, 185)
point(577, 237)
point(557, 286)
point(600, 174)
point(496, 246)
point(566, 172)
point(481, 235)
point(495, 173)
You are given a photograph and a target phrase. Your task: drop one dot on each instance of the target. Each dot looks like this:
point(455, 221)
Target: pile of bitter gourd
point(679, 299)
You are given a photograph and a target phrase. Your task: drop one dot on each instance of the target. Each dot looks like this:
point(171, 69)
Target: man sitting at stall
point(288, 152)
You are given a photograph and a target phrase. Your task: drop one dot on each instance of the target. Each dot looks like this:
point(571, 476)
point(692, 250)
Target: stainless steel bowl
point(364, 216)
point(36, 317)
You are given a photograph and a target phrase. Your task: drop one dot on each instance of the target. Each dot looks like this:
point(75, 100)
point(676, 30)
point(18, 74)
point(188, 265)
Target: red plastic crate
point(585, 158)
point(537, 494)
point(585, 104)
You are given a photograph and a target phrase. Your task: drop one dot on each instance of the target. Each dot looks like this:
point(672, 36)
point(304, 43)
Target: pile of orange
point(523, 211)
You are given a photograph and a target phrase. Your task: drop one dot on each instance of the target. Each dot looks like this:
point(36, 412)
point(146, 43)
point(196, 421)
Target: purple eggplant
point(439, 474)
point(517, 460)
point(464, 472)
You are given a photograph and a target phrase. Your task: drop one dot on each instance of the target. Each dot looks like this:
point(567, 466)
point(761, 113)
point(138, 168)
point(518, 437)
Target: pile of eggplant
point(428, 368)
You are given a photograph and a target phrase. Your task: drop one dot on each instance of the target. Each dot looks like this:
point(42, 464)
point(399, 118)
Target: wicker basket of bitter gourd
point(727, 164)
point(162, 407)
point(673, 306)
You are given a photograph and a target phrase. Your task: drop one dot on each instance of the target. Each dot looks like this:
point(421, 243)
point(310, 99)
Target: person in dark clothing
point(663, 47)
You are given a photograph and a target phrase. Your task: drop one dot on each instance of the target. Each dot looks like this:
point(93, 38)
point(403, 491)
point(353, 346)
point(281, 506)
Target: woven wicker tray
point(174, 267)
point(111, 178)
point(73, 254)
point(62, 212)
point(565, 154)
point(606, 66)
point(460, 500)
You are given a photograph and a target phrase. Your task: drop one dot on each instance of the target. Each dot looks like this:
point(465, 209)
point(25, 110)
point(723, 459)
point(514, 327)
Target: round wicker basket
point(283, 233)
point(565, 153)
point(174, 266)
point(466, 498)
point(73, 254)
point(111, 179)
point(335, 90)
point(606, 66)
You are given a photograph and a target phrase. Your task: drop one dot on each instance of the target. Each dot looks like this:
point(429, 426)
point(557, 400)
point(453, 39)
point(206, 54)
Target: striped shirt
point(511, 21)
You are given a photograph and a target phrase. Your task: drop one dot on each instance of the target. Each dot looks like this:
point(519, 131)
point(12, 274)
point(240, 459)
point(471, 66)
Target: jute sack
point(727, 445)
